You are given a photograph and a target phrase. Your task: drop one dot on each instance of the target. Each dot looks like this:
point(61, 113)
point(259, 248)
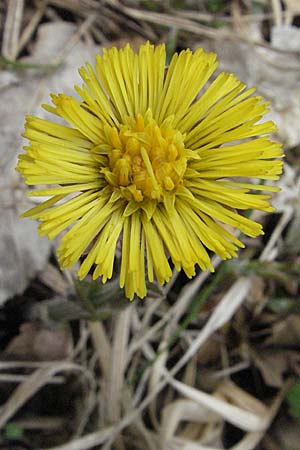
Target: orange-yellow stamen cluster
point(145, 160)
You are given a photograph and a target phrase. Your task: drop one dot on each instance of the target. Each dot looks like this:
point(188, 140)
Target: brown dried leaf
point(40, 344)
point(287, 434)
point(286, 332)
point(272, 365)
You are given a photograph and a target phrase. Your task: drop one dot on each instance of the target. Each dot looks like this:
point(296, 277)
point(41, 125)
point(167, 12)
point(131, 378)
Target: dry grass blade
point(183, 410)
point(144, 334)
point(224, 311)
point(154, 375)
point(88, 441)
point(292, 9)
point(118, 363)
point(31, 26)
point(222, 314)
point(169, 20)
point(78, 6)
point(172, 316)
point(210, 18)
point(181, 444)
point(47, 423)
point(9, 378)
point(268, 253)
point(195, 410)
point(156, 372)
point(277, 11)
point(12, 27)
point(252, 439)
point(102, 346)
point(235, 395)
point(188, 292)
point(239, 417)
point(31, 386)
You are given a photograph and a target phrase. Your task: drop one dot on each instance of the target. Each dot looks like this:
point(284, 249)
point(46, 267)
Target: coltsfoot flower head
point(148, 159)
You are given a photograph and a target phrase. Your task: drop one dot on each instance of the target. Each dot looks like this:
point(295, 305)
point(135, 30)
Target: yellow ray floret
point(146, 161)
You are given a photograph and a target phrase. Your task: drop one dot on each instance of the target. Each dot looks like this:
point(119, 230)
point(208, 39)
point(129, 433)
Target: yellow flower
point(147, 161)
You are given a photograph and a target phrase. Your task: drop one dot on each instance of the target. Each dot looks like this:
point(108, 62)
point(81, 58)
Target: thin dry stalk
point(102, 346)
point(82, 29)
point(173, 314)
point(169, 20)
point(276, 5)
point(252, 439)
point(88, 441)
point(12, 27)
point(292, 10)
point(221, 315)
point(12, 378)
point(33, 384)
point(31, 26)
point(211, 18)
point(118, 363)
point(41, 423)
point(268, 252)
point(185, 296)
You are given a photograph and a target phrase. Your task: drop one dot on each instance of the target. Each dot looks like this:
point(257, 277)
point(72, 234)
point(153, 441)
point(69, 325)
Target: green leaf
point(284, 305)
point(101, 300)
point(215, 6)
point(293, 401)
point(12, 431)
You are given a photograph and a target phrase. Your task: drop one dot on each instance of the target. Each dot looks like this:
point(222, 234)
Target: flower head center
point(145, 160)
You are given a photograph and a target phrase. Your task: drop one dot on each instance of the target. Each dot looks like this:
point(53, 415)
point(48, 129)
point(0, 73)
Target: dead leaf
point(40, 344)
point(287, 433)
point(209, 352)
point(286, 332)
point(272, 365)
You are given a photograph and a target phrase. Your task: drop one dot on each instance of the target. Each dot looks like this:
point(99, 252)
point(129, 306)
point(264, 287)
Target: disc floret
point(145, 160)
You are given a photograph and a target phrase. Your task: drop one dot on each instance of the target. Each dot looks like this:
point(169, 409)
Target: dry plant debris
point(200, 365)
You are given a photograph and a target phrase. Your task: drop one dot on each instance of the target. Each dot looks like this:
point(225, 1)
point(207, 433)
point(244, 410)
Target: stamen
point(146, 161)
point(148, 165)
